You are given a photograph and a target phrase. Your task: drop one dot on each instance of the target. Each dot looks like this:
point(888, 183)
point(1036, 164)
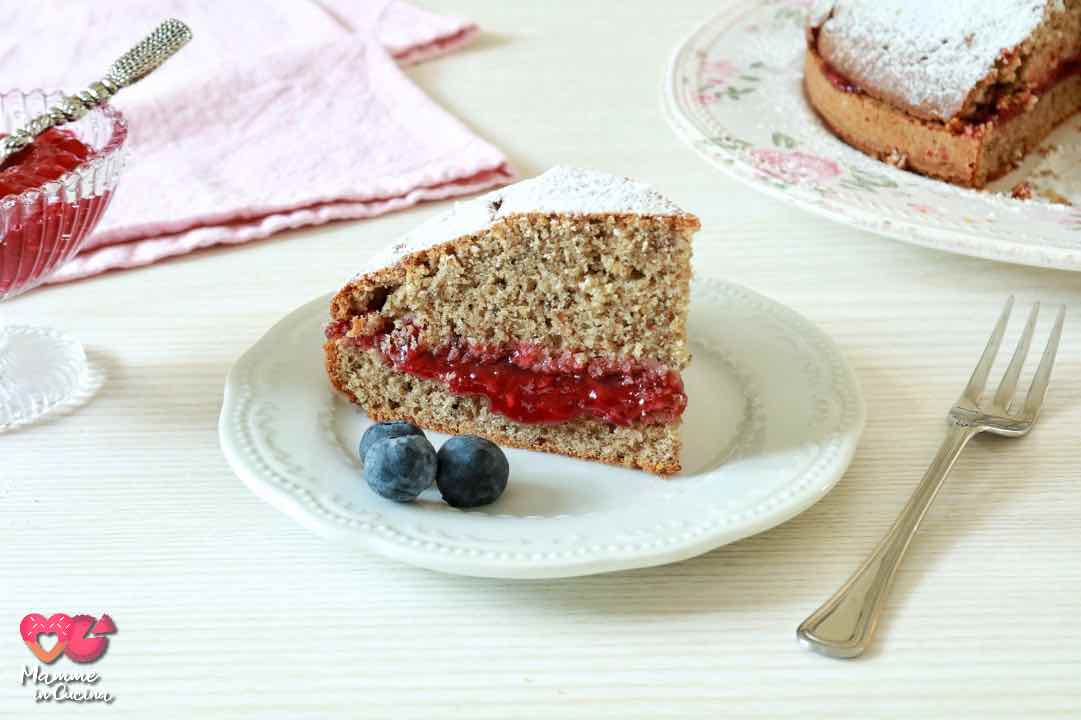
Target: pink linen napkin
point(279, 114)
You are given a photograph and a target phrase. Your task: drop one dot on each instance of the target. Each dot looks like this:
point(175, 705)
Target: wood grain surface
point(226, 608)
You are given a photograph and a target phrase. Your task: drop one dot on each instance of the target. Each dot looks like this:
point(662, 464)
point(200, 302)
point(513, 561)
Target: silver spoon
point(134, 65)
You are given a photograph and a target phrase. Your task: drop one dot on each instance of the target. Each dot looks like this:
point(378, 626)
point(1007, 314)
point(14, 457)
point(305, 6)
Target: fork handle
point(844, 625)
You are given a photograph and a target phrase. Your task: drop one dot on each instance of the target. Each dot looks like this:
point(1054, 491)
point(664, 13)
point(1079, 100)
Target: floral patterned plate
point(734, 91)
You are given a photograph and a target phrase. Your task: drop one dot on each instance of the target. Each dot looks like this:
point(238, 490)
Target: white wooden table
point(224, 604)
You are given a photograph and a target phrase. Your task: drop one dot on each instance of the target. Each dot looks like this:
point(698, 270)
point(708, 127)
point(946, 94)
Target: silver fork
point(844, 625)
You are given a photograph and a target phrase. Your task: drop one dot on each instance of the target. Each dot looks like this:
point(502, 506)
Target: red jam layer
point(839, 81)
point(51, 155)
point(530, 384)
point(35, 239)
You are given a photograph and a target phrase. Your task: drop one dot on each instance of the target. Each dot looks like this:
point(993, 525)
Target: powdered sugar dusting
point(925, 55)
point(561, 190)
point(576, 191)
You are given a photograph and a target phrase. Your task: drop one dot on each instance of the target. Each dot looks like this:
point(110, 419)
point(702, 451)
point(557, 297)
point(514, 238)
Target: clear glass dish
point(40, 230)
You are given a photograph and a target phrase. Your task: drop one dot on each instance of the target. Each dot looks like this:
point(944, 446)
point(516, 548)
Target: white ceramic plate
point(734, 90)
point(773, 420)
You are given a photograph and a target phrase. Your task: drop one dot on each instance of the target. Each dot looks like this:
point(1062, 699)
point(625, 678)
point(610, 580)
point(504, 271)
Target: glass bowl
point(40, 229)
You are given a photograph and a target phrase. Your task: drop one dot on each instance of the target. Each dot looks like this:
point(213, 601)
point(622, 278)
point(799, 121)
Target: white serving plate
point(773, 420)
point(734, 91)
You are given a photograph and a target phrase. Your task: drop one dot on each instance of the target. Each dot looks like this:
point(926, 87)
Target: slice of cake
point(548, 315)
point(957, 90)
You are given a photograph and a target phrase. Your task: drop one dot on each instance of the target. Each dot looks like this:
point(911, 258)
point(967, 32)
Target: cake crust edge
point(928, 147)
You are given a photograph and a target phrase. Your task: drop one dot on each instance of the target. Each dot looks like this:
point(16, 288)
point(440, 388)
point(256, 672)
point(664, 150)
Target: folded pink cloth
point(278, 114)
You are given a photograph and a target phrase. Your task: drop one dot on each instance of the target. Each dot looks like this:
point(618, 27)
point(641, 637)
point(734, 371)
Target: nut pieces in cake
point(400, 464)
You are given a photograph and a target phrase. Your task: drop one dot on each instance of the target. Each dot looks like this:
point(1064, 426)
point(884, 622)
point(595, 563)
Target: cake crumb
point(1056, 178)
point(1022, 191)
point(897, 158)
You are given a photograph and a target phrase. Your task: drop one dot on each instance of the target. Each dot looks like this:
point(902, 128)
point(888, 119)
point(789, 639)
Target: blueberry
point(472, 471)
point(400, 468)
point(384, 430)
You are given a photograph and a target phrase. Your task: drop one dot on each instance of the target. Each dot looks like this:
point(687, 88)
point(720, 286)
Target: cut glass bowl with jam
point(52, 196)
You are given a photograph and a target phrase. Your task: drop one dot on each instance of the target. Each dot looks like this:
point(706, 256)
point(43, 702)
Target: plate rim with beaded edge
point(774, 417)
point(733, 91)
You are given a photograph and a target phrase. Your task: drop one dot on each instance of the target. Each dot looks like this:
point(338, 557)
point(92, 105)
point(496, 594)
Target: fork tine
point(1036, 393)
point(979, 376)
point(1008, 386)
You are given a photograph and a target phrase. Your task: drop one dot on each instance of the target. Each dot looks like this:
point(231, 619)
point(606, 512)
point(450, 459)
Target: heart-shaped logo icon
point(35, 625)
point(44, 654)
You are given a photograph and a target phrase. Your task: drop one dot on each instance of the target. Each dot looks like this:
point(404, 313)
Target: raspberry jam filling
point(39, 236)
point(529, 384)
point(52, 154)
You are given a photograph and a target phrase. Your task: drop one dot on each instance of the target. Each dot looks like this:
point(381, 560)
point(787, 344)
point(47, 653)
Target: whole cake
point(548, 315)
point(958, 90)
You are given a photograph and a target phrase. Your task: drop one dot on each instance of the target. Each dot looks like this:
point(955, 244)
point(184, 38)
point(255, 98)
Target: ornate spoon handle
point(132, 66)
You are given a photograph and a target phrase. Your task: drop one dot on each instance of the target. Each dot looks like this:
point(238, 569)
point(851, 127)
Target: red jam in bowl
point(529, 384)
point(53, 153)
point(37, 237)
